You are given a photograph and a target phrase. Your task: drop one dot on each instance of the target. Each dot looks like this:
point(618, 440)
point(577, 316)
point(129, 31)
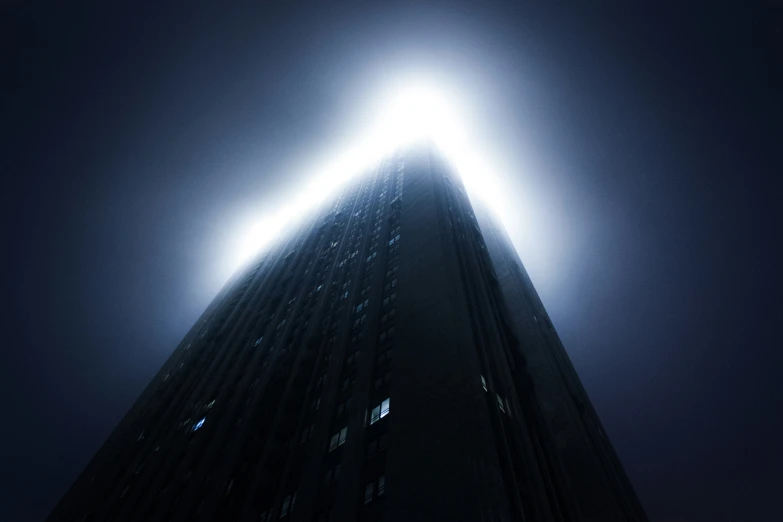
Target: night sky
point(642, 146)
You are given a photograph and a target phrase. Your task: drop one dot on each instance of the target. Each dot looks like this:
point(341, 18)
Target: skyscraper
point(389, 359)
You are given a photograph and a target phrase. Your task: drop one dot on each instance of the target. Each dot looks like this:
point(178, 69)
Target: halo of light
point(417, 111)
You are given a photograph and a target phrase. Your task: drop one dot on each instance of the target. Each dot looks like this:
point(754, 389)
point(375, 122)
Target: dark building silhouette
point(387, 360)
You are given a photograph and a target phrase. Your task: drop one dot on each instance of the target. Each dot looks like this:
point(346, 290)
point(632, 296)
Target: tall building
point(388, 360)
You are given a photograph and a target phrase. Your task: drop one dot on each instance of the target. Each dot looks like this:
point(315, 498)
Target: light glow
point(417, 111)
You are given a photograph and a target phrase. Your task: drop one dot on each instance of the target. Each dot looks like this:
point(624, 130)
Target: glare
point(199, 424)
point(417, 111)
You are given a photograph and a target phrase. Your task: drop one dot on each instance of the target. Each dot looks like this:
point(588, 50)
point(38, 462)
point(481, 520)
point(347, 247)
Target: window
point(379, 411)
point(381, 380)
point(484, 383)
point(500, 404)
point(392, 297)
point(288, 505)
point(306, 434)
point(338, 439)
point(386, 334)
point(199, 424)
point(381, 485)
point(368, 492)
point(382, 442)
point(332, 475)
point(258, 341)
point(384, 356)
point(359, 321)
point(362, 305)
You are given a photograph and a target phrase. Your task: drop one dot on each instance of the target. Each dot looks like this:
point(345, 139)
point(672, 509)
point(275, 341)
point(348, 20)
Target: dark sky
point(644, 143)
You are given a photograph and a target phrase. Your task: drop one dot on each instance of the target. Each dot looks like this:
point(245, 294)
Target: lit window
point(199, 424)
point(500, 404)
point(484, 383)
point(258, 341)
point(379, 411)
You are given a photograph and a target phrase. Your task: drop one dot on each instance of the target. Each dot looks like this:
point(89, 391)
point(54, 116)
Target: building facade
point(387, 360)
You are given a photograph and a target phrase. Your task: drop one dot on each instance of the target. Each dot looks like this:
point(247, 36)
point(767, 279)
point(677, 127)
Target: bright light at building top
point(416, 112)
